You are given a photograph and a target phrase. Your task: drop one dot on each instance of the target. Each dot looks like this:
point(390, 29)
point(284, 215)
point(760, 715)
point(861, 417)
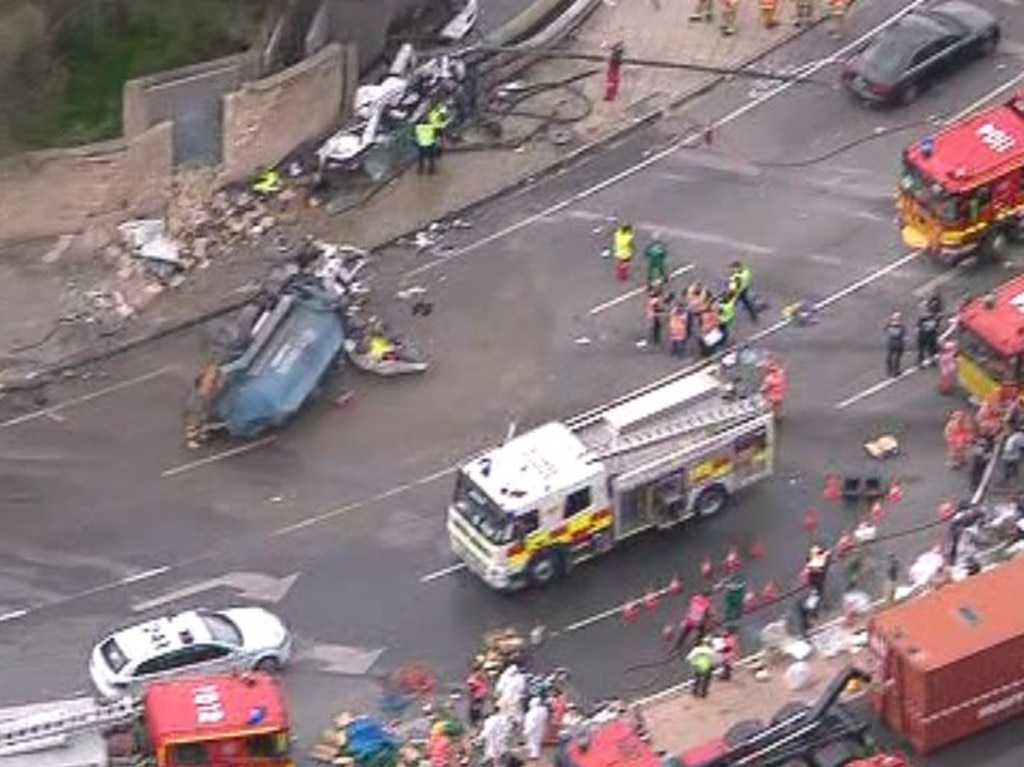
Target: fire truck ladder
point(18, 733)
point(730, 412)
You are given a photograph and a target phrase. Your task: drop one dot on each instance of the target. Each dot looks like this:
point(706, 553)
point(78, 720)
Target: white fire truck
point(527, 511)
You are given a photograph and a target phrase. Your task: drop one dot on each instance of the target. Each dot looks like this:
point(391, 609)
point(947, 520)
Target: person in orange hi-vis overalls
point(947, 368)
point(990, 420)
point(837, 18)
point(769, 9)
point(773, 387)
point(677, 330)
point(958, 435)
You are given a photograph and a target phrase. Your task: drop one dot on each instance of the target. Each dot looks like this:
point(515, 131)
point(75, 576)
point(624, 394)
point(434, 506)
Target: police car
point(201, 641)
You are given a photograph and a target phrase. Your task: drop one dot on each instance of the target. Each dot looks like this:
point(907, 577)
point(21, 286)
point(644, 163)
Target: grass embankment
point(63, 63)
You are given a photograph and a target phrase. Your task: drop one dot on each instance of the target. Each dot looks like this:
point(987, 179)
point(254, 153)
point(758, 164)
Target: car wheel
point(989, 43)
point(910, 93)
point(268, 665)
point(710, 501)
point(993, 247)
point(545, 568)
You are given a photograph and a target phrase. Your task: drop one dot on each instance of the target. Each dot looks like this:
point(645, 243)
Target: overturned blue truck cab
point(284, 345)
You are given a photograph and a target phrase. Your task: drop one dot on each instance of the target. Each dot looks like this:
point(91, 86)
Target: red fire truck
point(208, 721)
point(962, 189)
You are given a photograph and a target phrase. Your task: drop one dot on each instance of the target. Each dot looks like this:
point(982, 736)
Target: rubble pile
point(202, 224)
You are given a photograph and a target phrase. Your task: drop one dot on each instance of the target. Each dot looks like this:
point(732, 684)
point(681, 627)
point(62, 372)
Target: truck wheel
point(710, 501)
point(838, 754)
point(545, 568)
point(790, 710)
point(1015, 231)
point(993, 247)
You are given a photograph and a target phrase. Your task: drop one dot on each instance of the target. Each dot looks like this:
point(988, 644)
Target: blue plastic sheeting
point(289, 357)
point(367, 737)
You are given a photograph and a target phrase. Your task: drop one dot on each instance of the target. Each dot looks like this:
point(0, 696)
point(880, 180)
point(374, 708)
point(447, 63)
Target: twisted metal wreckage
point(277, 354)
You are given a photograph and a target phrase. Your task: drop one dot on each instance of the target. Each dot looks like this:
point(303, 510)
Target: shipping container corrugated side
point(951, 662)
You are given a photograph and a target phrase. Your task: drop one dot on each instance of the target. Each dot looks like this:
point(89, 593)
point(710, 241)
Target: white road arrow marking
point(341, 659)
point(254, 586)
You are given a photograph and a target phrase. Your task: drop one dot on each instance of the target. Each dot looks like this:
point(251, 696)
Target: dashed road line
point(53, 411)
point(613, 302)
point(216, 457)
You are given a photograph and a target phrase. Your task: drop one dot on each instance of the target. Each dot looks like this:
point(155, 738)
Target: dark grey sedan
point(922, 47)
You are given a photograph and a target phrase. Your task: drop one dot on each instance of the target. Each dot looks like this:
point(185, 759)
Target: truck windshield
point(481, 512)
point(995, 365)
point(930, 195)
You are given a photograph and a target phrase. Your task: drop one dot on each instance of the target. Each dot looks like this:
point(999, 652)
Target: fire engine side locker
point(665, 485)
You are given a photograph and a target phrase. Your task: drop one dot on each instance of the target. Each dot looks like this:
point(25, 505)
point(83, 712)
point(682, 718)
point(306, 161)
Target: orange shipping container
point(951, 663)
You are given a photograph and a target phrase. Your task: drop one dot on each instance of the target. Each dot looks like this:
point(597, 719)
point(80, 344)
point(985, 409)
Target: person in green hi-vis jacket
point(656, 254)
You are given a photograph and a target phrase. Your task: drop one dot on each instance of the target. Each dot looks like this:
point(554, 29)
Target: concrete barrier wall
point(147, 101)
point(51, 193)
point(62, 191)
point(266, 119)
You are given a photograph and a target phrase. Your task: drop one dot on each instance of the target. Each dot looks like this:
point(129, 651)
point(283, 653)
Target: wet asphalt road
point(106, 509)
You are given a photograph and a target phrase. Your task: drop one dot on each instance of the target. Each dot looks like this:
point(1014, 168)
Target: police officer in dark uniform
point(895, 342)
point(927, 337)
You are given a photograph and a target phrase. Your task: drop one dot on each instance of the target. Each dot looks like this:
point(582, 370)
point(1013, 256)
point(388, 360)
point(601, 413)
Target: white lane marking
point(13, 615)
point(875, 388)
point(691, 139)
point(53, 411)
point(216, 457)
point(613, 302)
point(443, 572)
point(821, 258)
point(865, 281)
point(983, 100)
point(605, 614)
point(341, 511)
point(887, 382)
point(145, 574)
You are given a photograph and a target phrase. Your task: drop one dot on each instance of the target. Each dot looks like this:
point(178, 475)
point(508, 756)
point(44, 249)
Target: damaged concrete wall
point(267, 119)
point(61, 191)
point(147, 101)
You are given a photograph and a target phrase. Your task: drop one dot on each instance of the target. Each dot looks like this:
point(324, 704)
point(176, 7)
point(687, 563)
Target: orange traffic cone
point(706, 568)
point(810, 521)
point(877, 512)
point(769, 593)
point(731, 563)
point(946, 511)
point(756, 549)
point(630, 611)
point(895, 491)
point(844, 545)
point(833, 491)
point(651, 600)
point(749, 601)
point(675, 586)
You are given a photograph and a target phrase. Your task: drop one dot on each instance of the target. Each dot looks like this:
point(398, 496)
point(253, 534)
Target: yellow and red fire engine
point(962, 189)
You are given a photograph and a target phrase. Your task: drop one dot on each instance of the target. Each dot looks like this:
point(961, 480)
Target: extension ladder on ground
point(18, 733)
point(718, 415)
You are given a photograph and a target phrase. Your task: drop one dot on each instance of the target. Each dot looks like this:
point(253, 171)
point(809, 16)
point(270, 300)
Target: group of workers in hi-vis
point(693, 313)
point(805, 14)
